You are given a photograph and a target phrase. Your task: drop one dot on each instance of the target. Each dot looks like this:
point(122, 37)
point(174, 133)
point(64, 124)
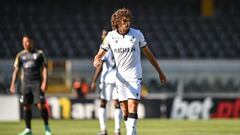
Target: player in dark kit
point(33, 67)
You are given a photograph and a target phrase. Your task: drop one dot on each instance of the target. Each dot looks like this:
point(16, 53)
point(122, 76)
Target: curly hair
point(119, 15)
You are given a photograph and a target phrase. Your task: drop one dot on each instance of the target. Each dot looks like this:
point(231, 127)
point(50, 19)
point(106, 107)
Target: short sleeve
point(105, 44)
point(104, 57)
point(43, 57)
point(142, 41)
point(17, 61)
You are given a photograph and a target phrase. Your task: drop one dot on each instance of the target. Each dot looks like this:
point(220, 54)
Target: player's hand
point(162, 78)
point(12, 89)
point(93, 86)
point(96, 63)
point(43, 87)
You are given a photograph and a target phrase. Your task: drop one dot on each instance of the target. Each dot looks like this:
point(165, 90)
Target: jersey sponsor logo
point(24, 57)
point(29, 64)
point(123, 50)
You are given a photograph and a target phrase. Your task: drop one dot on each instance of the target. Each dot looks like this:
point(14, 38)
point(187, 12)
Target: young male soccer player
point(125, 43)
point(33, 67)
point(108, 90)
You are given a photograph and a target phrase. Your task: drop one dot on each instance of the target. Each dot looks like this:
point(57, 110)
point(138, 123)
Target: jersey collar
point(124, 34)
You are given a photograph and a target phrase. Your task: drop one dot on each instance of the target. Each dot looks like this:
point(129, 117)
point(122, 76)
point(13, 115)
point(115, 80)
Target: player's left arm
point(44, 73)
point(44, 78)
point(147, 52)
point(17, 65)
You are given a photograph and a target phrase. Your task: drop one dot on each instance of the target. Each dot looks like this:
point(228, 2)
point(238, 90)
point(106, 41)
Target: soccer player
point(108, 90)
point(125, 43)
point(33, 66)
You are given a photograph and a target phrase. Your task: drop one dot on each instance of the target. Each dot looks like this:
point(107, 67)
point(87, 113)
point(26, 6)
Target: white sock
point(102, 118)
point(27, 129)
point(132, 128)
point(117, 119)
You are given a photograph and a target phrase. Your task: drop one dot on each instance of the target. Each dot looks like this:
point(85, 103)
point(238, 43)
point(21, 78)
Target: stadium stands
point(174, 29)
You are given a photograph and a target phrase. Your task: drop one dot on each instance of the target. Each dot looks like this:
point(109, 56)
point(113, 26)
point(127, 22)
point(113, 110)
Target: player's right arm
point(98, 57)
point(102, 51)
point(96, 75)
point(14, 75)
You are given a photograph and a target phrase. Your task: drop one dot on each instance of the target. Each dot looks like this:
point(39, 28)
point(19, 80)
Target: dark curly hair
point(119, 15)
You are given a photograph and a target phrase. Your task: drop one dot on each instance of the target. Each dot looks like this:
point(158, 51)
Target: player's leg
point(132, 116)
point(117, 116)
point(39, 100)
point(134, 94)
point(117, 110)
point(28, 116)
point(105, 96)
point(26, 99)
point(45, 116)
point(122, 97)
point(102, 117)
point(124, 108)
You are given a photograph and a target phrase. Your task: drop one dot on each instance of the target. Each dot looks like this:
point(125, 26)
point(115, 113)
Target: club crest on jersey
point(35, 56)
point(132, 39)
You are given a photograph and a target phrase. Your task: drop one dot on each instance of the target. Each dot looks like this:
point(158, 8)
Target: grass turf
point(145, 127)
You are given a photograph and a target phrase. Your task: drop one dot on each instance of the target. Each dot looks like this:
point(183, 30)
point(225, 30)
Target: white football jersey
point(127, 53)
point(108, 74)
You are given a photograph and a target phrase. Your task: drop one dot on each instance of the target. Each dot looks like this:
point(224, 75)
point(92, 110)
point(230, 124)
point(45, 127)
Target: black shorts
point(31, 93)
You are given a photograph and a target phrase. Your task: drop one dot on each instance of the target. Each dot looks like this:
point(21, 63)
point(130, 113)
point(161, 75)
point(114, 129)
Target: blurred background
point(197, 43)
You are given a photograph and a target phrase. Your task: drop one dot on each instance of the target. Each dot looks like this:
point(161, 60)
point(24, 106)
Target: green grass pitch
point(145, 127)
